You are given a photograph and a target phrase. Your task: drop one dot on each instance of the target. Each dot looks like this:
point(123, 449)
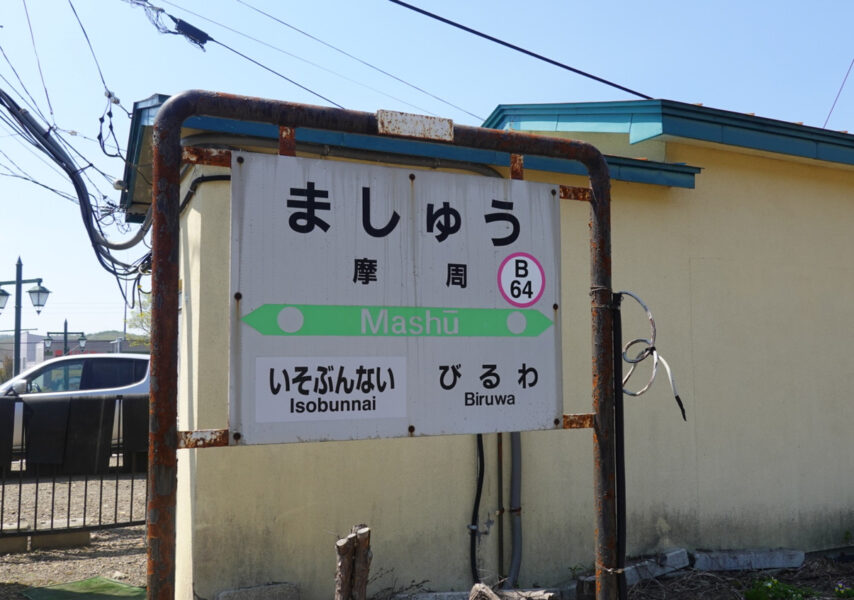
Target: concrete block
point(645, 569)
point(662, 564)
point(586, 588)
point(638, 570)
point(569, 591)
point(65, 539)
point(744, 560)
point(674, 559)
point(14, 544)
point(271, 591)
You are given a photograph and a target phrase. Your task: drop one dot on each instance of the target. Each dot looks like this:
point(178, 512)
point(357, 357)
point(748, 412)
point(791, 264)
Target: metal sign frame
point(164, 437)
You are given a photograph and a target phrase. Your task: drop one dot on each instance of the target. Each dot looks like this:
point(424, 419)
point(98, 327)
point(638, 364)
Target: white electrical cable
point(645, 352)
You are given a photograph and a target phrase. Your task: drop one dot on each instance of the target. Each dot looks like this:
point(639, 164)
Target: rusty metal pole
point(604, 442)
point(163, 404)
point(163, 438)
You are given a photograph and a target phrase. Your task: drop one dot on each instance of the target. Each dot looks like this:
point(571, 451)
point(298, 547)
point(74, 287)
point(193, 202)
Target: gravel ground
point(819, 576)
point(117, 554)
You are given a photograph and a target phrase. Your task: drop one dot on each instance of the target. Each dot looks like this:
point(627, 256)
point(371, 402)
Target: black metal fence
point(72, 463)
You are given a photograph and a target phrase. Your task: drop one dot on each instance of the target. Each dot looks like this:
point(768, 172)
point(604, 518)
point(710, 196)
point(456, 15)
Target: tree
point(140, 318)
point(6, 369)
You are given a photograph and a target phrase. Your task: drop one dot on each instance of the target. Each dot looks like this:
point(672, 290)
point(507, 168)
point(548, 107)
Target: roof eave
point(647, 119)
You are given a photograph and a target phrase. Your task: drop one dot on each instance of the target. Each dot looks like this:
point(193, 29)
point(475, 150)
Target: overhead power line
point(107, 114)
point(29, 179)
point(27, 144)
point(274, 72)
point(32, 104)
point(38, 60)
point(43, 140)
point(48, 142)
point(88, 43)
point(295, 56)
point(357, 59)
point(844, 79)
point(199, 38)
point(518, 49)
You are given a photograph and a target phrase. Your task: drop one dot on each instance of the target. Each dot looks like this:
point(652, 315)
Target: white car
point(83, 374)
point(43, 391)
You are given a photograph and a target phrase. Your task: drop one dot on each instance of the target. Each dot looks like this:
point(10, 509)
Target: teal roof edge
point(626, 169)
point(646, 119)
point(621, 168)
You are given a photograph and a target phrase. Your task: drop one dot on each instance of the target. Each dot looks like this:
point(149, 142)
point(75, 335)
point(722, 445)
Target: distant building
point(32, 348)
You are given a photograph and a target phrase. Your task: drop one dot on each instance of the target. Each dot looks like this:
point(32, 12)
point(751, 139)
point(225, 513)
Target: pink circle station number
point(521, 279)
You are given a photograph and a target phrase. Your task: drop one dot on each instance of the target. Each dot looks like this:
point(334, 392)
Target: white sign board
point(387, 302)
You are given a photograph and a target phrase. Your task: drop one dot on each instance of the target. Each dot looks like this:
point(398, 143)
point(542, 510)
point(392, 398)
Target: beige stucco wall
point(748, 279)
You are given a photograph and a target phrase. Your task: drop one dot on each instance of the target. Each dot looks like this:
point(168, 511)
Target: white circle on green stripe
point(290, 319)
point(516, 322)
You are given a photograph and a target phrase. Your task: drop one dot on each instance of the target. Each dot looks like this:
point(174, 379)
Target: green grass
point(772, 589)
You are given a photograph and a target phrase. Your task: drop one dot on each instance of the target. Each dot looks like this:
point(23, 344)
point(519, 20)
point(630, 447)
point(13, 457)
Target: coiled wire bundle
point(648, 350)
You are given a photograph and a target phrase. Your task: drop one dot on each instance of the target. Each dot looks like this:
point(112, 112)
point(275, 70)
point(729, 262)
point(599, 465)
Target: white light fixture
point(38, 296)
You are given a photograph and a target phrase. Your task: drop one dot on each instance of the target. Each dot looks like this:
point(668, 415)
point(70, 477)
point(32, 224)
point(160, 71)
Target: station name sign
point(387, 302)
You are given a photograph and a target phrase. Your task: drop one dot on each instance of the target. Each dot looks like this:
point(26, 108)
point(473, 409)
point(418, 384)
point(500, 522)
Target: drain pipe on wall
point(620, 448)
point(473, 526)
point(515, 509)
point(500, 515)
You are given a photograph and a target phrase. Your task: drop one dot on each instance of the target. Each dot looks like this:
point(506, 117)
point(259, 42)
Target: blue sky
point(783, 60)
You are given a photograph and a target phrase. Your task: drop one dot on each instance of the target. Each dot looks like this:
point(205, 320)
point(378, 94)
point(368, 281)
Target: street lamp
point(65, 333)
point(38, 296)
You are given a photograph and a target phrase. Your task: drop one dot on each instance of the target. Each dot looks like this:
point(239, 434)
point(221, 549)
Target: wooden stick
point(482, 592)
point(362, 563)
point(344, 567)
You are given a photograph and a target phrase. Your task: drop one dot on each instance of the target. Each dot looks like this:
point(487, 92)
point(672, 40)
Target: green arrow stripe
point(395, 321)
